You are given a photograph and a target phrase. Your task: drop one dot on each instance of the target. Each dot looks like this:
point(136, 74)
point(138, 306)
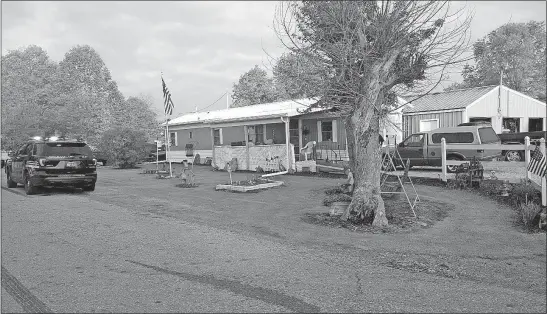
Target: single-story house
point(506, 109)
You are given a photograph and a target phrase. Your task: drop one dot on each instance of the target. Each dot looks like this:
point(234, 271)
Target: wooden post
point(213, 146)
point(527, 156)
point(299, 137)
point(246, 131)
point(543, 179)
point(288, 143)
point(443, 158)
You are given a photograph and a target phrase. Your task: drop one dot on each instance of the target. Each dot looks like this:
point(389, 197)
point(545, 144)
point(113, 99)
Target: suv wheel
point(89, 188)
point(11, 183)
point(30, 189)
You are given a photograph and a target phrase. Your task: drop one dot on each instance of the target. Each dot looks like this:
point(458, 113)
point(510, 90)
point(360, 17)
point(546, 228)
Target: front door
point(413, 148)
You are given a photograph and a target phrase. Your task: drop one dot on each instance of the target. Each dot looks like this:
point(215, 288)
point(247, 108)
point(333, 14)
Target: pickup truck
point(518, 138)
point(424, 148)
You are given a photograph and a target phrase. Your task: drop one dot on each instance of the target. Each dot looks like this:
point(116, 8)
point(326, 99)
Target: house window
point(259, 133)
point(535, 124)
point(326, 131)
point(216, 137)
point(173, 139)
point(511, 125)
point(429, 124)
point(190, 134)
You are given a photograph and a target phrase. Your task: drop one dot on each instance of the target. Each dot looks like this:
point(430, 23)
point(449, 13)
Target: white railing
point(527, 147)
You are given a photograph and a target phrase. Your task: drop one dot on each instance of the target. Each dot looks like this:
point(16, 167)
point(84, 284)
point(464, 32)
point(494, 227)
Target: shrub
point(124, 146)
point(525, 192)
point(329, 199)
point(529, 212)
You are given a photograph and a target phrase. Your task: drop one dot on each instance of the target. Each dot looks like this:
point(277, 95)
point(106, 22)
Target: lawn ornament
point(505, 188)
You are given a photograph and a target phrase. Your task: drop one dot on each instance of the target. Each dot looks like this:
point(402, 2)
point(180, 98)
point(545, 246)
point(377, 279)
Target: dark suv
point(52, 162)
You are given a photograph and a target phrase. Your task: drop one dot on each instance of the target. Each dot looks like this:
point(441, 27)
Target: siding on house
point(201, 139)
point(411, 123)
point(311, 125)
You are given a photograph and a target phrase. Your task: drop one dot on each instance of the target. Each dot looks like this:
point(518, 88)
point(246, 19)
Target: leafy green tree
point(28, 103)
point(368, 48)
point(517, 50)
point(125, 147)
point(254, 87)
point(297, 77)
point(140, 116)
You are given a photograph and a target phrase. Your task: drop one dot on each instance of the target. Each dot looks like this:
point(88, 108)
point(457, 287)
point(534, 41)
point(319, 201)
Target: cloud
point(202, 47)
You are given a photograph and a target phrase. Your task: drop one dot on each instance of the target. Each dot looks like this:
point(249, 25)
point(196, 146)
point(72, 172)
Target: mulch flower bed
point(398, 212)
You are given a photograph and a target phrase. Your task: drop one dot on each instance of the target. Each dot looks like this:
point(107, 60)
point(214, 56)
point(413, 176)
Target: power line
point(214, 101)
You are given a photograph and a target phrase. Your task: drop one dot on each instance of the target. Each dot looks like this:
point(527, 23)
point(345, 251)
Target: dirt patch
point(399, 215)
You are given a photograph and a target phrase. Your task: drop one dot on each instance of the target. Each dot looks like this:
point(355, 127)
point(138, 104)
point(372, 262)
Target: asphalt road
point(107, 251)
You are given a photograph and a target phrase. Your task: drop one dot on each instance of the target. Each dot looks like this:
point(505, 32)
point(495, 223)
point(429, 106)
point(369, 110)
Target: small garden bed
point(187, 185)
point(399, 215)
point(253, 185)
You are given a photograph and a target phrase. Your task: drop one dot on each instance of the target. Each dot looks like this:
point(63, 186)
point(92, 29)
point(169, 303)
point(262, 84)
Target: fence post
point(543, 179)
point(527, 156)
point(443, 158)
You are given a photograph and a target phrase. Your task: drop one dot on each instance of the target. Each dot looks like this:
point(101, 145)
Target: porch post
point(299, 137)
point(288, 143)
point(246, 131)
point(213, 163)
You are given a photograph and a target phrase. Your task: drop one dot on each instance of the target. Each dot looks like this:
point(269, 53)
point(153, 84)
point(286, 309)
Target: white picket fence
point(527, 147)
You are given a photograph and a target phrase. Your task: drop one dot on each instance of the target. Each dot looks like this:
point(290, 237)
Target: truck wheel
point(452, 168)
point(11, 183)
point(30, 189)
point(513, 155)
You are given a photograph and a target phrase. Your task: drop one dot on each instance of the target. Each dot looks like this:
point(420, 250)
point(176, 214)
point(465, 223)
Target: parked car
point(52, 162)
point(424, 148)
point(518, 138)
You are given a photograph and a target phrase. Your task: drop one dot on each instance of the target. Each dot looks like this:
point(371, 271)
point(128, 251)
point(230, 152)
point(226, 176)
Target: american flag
point(537, 163)
point(167, 101)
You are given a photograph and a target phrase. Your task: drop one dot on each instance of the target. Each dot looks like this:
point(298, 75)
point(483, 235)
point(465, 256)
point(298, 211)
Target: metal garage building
point(506, 109)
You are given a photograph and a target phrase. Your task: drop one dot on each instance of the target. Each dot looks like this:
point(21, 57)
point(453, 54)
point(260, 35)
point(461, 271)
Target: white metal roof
point(280, 109)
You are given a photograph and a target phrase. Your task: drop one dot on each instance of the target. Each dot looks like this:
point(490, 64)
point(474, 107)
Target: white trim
point(427, 120)
point(334, 131)
point(242, 123)
point(221, 136)
point(264, 135)
point(465, 118)
point(300, 138)
point(319, 132)
point(434, 111)
point(525, 96)
point(189, 127)
point(481, 98)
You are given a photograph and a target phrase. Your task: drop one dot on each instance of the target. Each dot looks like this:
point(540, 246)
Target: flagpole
point(168, 147)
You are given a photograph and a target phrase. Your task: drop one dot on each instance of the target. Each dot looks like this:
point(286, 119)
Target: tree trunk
point(365, 161)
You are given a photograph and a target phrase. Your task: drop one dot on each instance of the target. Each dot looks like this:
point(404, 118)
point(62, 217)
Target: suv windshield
point(488, 135)
point(64, 149)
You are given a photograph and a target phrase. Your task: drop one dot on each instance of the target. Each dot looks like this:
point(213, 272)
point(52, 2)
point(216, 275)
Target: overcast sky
point(201, 47)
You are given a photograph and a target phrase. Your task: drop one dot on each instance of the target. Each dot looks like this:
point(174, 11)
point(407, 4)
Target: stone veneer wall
point(265, 156)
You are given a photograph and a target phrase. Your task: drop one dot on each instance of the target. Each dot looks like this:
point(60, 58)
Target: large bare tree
point(367, 50)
